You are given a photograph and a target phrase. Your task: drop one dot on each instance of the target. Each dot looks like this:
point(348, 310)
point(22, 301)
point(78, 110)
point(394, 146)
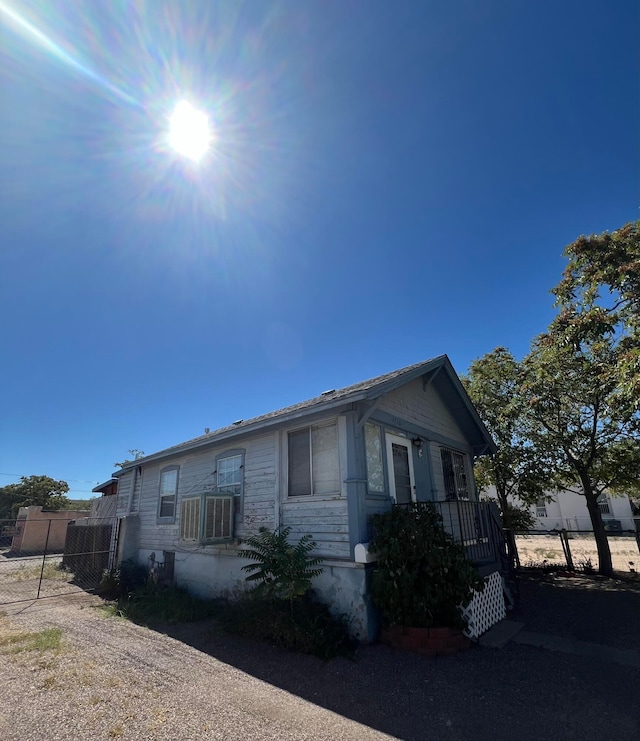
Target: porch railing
point(474, 525)
point(470, 523)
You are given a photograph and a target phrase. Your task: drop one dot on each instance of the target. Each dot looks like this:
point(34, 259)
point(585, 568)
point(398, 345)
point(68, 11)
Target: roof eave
point(242, 431)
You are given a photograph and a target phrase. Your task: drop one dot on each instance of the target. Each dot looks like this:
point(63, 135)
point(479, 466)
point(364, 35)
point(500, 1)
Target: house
point(37, 531)
point(568, 510)
point(321, 467)
point(104, 506)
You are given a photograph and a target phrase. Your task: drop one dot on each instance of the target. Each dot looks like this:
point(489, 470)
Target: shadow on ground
point(482, 693)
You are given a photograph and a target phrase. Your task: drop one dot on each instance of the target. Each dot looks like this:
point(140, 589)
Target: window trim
point(604, 505)
point(541, 508)
point(339, 492)
point(201, 539)
point(392, 439)
point(167, 519)
point(238, 498)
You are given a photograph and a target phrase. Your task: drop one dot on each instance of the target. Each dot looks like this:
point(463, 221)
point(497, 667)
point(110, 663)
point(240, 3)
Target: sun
point(189, 132)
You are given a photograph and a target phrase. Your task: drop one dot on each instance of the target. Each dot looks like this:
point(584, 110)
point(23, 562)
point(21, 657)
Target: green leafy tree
point(599, 294)
point(283, 570)
point(579, 420)
point(519, 472)
point(44, 491)
point(518, 520)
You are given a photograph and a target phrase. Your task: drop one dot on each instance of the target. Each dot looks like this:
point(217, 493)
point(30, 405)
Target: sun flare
point(189, 132)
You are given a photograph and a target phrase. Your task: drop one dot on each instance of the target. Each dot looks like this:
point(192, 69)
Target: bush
point(303, 625)
point(281, 608)
point(283, 570)
point(123, 581)
point(422, 576)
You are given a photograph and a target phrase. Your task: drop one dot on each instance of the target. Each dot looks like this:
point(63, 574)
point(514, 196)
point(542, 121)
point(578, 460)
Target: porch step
point(500, 634)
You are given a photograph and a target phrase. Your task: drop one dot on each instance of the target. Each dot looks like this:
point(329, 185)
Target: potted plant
point(421, 580)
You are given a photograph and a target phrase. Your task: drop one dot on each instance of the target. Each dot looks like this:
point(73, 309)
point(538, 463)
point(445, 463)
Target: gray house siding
point(410, 411)
point(423, 407)
point(325, 518)
point(265, 500)
point(124, 491)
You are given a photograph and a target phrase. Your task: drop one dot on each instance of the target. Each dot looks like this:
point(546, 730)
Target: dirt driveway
point(111, 679)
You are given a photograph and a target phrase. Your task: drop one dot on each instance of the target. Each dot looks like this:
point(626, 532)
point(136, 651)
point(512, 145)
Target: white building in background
point(568, 510)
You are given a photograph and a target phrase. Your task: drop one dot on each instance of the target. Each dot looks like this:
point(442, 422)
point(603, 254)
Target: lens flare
point(189, 132)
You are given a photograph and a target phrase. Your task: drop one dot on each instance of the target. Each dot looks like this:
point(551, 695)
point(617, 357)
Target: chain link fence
point(48, 557)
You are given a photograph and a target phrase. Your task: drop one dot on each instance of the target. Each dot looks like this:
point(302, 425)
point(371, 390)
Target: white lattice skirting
point(486, 608)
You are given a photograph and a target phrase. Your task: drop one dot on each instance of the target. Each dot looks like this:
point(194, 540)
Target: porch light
point(418, 442)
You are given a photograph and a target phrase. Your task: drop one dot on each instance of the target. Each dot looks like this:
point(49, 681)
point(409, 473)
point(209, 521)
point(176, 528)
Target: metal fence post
point(44, 557)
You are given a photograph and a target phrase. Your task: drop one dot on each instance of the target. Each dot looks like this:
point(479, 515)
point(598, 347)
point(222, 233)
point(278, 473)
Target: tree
point(44, 491)
point(137, 454)
point(579, 420)
point(600, 293)
point(518, 471)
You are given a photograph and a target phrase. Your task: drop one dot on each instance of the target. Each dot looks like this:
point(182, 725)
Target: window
point(168, 489)
point(229, 478)
point(454, 471)
point(313, 461)
point(217, 523)
point(375, 466)
point(229, 474)
point(603, 505)
point(541, 508)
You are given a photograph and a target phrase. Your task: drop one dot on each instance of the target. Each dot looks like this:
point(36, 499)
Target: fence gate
point(49, 557)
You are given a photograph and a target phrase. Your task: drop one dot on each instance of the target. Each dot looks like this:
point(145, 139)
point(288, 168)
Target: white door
point(400, 466)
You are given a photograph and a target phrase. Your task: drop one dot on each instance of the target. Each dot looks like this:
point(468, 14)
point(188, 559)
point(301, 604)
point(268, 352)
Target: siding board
point(422, 407)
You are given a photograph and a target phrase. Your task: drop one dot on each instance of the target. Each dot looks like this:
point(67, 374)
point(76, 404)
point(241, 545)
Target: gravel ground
point(113, 679)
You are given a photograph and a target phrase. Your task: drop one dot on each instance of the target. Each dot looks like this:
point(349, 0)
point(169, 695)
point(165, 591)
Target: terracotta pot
point(426, 641)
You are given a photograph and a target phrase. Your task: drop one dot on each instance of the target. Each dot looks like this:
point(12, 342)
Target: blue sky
point(391, 181)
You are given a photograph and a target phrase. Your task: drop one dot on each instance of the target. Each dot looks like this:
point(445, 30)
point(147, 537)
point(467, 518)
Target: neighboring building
point(568, 510)
point(105, 506)
point(321, 467)
point(37, 531)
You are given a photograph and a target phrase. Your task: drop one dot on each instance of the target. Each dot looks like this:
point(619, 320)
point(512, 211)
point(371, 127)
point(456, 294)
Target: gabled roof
point(447, 383)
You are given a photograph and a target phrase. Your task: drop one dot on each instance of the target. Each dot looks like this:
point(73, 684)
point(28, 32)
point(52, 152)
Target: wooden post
point(567, 550)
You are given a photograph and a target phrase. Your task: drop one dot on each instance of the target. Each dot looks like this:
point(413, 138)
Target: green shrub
point(422, 575)
point(282, 570)
point(304, 625)
point(280, 608)
point(123, 581)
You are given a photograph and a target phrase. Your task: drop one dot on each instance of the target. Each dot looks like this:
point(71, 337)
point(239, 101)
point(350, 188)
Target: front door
point(400, 466)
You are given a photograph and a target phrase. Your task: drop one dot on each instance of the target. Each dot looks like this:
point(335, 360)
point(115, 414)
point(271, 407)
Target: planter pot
point(426, 641)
